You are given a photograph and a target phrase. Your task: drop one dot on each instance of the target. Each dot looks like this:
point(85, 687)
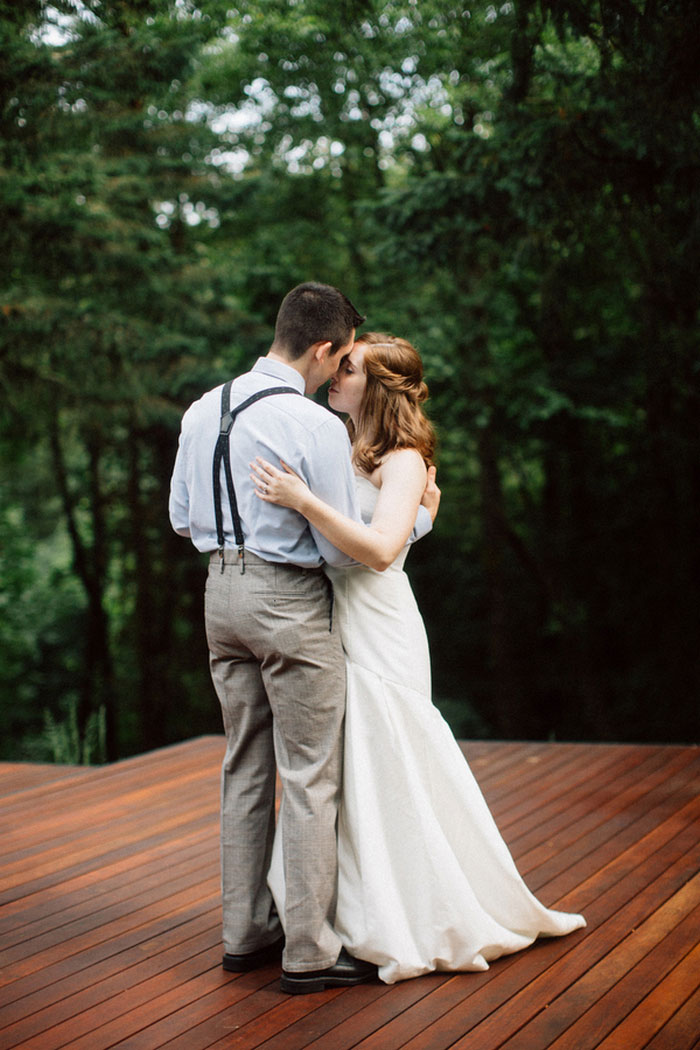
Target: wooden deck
point(109, 914)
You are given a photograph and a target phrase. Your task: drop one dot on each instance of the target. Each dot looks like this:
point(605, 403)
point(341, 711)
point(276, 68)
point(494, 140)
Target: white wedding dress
point(425, 880)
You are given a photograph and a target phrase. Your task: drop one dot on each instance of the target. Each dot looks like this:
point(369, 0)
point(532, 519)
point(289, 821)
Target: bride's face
point(347, 387)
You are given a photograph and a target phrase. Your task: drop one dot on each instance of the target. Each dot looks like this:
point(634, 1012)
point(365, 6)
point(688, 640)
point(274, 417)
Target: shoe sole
point(240, 964)
point(232, 967)
point(301, 986)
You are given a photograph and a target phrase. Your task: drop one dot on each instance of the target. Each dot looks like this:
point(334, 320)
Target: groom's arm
point(179, 499)
point(327, 470)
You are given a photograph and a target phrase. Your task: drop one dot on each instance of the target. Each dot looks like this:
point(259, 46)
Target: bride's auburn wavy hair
point(391, 416)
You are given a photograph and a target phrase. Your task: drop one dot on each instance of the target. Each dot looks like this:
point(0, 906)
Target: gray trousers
point(279, 673)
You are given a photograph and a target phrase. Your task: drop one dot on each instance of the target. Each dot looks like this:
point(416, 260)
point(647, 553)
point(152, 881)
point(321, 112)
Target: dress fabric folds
point(425, 880)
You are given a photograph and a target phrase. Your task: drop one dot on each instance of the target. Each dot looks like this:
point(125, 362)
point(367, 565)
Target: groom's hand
point(431, 494)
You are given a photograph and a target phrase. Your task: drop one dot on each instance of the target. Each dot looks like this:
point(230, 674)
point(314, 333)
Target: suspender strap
point(222, 453)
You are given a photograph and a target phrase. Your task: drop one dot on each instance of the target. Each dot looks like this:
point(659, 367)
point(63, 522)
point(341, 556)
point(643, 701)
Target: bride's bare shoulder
point(402, 462)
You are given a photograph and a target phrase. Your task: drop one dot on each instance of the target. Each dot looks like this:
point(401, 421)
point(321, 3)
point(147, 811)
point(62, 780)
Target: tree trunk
point(97, 687)
point(150, 687)
point(507, 687)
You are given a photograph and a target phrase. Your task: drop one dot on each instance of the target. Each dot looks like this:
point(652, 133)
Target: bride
point(425, 880)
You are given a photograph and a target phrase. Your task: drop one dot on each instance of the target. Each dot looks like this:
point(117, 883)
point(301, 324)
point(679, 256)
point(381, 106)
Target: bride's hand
point(283, 487)
point(432, 494)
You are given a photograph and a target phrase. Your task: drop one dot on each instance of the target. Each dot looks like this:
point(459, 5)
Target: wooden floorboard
point(110, 914)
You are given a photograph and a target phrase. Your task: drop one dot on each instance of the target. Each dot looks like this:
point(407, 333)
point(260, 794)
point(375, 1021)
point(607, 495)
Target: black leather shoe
point(347, 971)
point(253, 960)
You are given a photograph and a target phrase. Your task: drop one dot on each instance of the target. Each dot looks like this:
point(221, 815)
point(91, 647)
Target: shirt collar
point(279, 370)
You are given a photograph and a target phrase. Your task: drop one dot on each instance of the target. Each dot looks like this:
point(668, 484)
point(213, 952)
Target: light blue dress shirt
point(309, 438)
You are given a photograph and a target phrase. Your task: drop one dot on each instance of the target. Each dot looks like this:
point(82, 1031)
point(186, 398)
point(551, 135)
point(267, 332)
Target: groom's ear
point(321, 351)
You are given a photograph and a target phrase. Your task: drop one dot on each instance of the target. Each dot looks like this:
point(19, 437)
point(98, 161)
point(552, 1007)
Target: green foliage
point(512, 187)
point(66, 743)
point(109, 312)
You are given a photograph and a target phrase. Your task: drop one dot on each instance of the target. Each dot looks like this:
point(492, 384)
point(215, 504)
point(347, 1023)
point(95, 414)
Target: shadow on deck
point(110, 913)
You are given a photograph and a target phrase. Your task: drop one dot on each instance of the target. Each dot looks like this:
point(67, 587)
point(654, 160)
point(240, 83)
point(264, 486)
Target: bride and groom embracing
point(385, 860)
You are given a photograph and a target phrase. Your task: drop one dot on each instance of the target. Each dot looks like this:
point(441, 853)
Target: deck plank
point(611, 985)
point(682, 1029)
point(110, 914)
point(651, 1014)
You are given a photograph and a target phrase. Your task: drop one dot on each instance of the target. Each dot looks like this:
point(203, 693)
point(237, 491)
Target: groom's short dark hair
point(314, 313)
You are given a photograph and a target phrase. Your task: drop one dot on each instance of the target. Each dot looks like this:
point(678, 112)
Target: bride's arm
point(402, 476)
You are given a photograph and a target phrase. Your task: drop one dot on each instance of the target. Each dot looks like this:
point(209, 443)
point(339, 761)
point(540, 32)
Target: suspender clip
point(241, 557)
point(221, 559)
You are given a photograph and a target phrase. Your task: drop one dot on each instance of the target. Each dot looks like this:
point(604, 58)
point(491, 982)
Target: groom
point(275, 653)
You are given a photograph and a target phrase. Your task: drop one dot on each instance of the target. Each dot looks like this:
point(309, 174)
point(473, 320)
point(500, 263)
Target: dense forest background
point(513, 187)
